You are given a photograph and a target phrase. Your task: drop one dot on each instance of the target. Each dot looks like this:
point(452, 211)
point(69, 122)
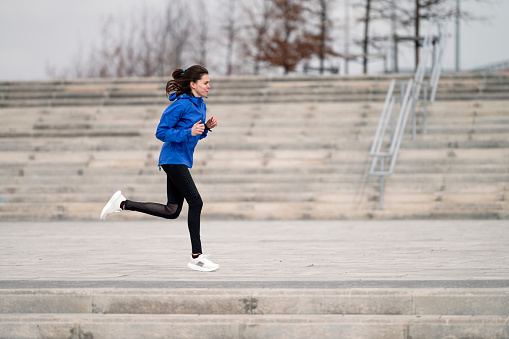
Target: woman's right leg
point(184, 182)
point(171, 210)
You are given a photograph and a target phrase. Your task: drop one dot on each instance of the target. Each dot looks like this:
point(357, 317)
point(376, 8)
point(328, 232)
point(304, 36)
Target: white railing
point(390, 131)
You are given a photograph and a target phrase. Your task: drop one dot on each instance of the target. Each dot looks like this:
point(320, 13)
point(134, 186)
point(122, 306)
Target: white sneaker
point(113, 205)
point(202, 263)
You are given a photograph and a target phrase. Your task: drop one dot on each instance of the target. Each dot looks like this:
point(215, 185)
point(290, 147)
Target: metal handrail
point(376, 142)
point(409, 100)
point(437, 62)
point(396, 136)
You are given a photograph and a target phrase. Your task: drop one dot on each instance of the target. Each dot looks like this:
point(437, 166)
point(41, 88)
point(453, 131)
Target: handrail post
point(414, 114)
point(414, 118)
point(402, 92)
point(410, 95)
point(425, 110)
point(382, 177)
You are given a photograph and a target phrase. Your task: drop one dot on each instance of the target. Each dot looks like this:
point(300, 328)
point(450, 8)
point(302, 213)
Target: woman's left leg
point(172, 208)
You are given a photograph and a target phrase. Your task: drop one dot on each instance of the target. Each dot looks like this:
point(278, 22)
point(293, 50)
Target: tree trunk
point(366, 38)
point(417, 19)
point(231, 37)
point(323, 33)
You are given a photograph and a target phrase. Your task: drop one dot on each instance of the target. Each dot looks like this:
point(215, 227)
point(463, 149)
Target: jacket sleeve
point(166, 130)
point(204, 134)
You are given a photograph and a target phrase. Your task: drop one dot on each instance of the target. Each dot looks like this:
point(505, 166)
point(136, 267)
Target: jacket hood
point(173, 96)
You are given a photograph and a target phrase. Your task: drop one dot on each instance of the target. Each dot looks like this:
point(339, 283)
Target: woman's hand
point(211, 123)
point(197, 129)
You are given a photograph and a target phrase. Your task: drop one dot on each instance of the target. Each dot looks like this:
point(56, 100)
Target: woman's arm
point(166, 130)
point(211, 123)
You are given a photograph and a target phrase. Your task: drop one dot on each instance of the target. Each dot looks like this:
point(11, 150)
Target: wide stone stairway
point(255, 313)
point(285, 148)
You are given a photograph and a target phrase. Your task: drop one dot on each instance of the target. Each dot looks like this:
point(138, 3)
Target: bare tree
point(365, 41)
point(259, 15)
point(411, 13)
point(231, 34)
point(322, 9)
point(373, 12)
point(148, 64)
point(148, 43)
point(111, 56)
point(175, 33)
point(289, 42)
point(202, 33)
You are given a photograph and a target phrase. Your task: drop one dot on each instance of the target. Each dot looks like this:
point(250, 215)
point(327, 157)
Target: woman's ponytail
point(182, 79)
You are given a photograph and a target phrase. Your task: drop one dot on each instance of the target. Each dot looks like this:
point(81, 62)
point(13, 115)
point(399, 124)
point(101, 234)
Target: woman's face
point(201, 87)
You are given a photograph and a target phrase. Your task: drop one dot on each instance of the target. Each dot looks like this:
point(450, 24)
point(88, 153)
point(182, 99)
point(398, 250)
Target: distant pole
point(347, 34)
point(457, 35)
point(417, 24)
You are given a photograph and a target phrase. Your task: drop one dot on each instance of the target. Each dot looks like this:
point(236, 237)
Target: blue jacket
point(174, 129)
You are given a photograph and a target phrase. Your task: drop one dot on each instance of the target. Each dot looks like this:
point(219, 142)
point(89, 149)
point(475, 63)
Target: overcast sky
point(35, 34)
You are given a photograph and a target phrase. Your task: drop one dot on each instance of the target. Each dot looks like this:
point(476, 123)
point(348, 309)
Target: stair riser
point(251, 327)
point(374, 302)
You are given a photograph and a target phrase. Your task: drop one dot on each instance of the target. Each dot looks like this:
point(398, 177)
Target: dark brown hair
point(182, 79)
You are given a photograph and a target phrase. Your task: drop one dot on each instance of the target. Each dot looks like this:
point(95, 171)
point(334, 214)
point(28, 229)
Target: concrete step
point(260, 194)
point(255, 193)
point(254, 313)
point(216, 154)
point(312, 169)
point(111, 92)
point(340, 200)
point(260, 96)
point(207, 193)
point(375, 301)
point(201, 174)
point(251, 326)
point(328, 208)
point(263, 181)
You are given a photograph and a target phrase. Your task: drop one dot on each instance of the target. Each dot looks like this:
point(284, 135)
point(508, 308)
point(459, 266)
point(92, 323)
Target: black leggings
point(179, 186)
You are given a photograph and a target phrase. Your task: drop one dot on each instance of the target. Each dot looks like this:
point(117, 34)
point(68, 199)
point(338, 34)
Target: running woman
point(182, 125)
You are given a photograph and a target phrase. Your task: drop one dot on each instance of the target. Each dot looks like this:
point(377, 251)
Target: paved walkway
point(256, 254)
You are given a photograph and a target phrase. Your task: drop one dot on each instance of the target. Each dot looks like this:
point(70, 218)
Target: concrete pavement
point(278, 279)
point(292, 254)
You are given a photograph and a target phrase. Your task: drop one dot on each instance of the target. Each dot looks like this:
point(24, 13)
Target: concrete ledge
point(251, 326)
point(375, 301)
